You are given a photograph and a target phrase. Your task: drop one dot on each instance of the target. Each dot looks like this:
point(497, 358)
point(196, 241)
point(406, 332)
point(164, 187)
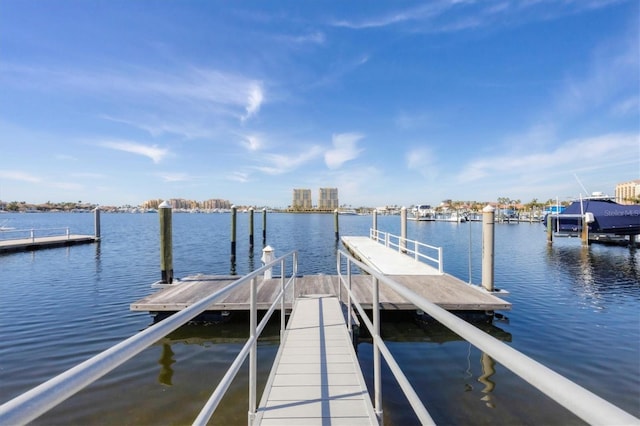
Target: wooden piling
point(488, 238)
point(166, 244)
point(251, 229)
point(549, 220)
point(335, 224)
point(96, 221)
point(264, 227)
point(234, 213)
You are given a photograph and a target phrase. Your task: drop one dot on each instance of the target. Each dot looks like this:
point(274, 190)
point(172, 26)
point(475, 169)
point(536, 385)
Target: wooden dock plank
point(444, 290)
point(29, 244)
point(316, 378)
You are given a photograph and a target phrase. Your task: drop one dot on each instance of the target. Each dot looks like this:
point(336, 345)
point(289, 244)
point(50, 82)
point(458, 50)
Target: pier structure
point(19, 240)
point(315, 357)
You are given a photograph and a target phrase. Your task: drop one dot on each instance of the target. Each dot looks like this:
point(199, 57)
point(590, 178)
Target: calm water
point(576, 311)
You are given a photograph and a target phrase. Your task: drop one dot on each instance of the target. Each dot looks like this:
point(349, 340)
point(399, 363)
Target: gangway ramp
point(316, 378)
point(386, 260)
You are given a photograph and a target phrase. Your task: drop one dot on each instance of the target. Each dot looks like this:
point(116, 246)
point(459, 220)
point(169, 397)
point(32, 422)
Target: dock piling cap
point(164, 205)
point(489, 209)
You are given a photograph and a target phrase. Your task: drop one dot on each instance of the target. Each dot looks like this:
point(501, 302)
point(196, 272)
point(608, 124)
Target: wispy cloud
point(153, 152)
point(255, 97)
point(239, 177)
point(174, 177)
point(603, 151)
point(422, 160)
point(19, 176)
point(252, 142)
point(279, 163)
point(344, 149)
point(459, 15)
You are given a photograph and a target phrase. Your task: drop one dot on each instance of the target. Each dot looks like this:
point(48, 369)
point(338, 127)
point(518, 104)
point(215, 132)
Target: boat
point(602, 214)
point(454, 217)
point(423, 212)
point(350, 212)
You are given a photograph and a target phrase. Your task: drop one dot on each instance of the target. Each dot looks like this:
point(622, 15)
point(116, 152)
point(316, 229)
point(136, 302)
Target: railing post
point(488, 231)
point(403, 229)
point(33, 237)
point(386, 239)
point(440, 263)
point(253, 353)
point(166, 255)
point(415, 243)
point(295, 274)
point(350, 327)
point(377, 372)
point(68, 233)
point(282, 313)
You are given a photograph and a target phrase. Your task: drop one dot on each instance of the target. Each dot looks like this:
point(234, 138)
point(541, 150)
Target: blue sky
point(117, 102)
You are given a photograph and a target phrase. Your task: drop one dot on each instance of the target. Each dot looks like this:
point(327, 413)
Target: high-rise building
point(302, 199)
point(328, 199)
point(627, 192)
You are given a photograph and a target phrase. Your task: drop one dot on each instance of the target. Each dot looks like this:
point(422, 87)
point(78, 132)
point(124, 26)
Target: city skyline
point(115, 103)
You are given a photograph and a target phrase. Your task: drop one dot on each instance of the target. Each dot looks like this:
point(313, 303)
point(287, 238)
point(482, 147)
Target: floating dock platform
point(37, 243)
point(442, 289)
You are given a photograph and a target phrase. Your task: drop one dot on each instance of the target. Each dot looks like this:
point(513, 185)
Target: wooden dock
point(444, 290)
point(36, 243)
point(316, 378)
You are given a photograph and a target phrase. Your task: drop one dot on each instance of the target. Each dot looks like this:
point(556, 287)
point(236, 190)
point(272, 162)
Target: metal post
point(253, 354)
point(335, 224)
point(251, 229)
point(96, 221)
point(166, 244)
point(234, 212)
point(377, 372)
point(403, 229)
point(488, 238)
point(349, 325)
point(282, 313)
point(264, 226)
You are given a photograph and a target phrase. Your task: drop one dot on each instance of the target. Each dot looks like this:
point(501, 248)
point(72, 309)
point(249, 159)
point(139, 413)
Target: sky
point(393, 103)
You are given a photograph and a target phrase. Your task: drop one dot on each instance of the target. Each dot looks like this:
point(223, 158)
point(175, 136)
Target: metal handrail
point(408, 247)
point(32, 232)
point(37, 401)
point(580, 401)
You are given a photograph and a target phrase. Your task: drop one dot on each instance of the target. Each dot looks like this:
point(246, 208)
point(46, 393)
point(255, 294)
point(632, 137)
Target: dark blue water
point(574, 310)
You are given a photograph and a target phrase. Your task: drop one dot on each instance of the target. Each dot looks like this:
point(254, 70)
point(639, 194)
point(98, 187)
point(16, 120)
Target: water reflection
point(166, 361)
point(488, 370)
point(597, 272)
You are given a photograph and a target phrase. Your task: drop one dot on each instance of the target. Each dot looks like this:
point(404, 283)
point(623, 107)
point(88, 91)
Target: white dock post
point(166, 245)
point(375, 220)
point(403, 229)
point(267, 257)
point(488, 238)
point(96, 222)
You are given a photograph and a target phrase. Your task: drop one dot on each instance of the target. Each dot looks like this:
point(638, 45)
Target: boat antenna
point(586, 193)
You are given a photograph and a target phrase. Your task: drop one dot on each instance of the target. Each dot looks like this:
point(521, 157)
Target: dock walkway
point(30, 244)
point(316, 378)
point(386, 260)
